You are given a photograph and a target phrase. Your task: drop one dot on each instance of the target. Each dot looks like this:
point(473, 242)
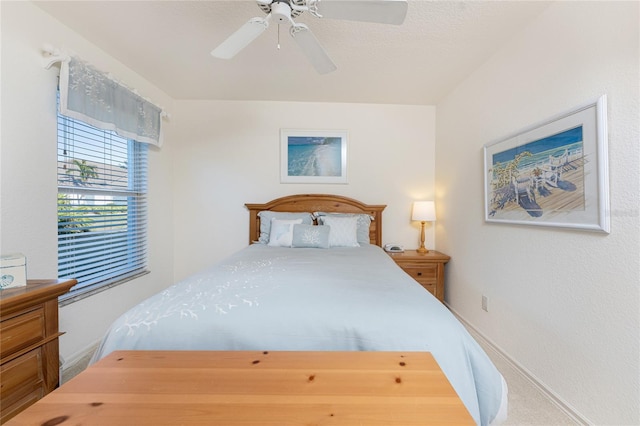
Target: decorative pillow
point(265, 221)
point(364, 222)
point(310, 236)
point(343, 231)
point(281, 233)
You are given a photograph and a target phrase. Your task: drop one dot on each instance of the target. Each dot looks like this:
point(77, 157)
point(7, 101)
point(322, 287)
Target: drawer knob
point(419, 274)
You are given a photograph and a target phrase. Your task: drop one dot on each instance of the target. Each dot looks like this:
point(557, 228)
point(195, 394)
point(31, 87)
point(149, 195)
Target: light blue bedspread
point(276, 298)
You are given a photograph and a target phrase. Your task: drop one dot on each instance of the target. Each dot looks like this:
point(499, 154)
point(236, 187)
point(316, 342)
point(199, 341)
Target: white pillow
point(267, 215)
point(281, 234)
point(364, 222)
point(343, 231)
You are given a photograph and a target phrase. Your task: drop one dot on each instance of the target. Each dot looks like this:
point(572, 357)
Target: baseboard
point(526, 374)
point(76, 363)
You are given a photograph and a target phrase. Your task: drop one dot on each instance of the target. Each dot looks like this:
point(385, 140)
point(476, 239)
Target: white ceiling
point(418, 62)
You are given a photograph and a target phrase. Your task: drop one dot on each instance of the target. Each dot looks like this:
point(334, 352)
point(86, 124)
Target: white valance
point(90, 95)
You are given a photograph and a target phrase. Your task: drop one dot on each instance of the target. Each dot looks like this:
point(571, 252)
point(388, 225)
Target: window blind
point(102, 208)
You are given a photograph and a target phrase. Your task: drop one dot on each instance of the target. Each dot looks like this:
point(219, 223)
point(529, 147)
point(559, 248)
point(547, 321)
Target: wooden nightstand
point(29, 355)
point(427, 269)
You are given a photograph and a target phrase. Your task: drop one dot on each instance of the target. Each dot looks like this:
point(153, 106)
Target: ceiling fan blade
point(311, 47)
point(380, 11)
point(241, 38)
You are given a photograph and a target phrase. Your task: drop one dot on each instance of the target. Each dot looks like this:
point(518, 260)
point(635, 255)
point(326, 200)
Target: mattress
point(307, 299)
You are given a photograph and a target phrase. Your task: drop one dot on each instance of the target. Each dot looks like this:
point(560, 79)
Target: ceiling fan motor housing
point(281, 12)
point(270, 7)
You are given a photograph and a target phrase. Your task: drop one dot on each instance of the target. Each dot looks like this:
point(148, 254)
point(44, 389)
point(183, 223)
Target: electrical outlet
point(485, 302)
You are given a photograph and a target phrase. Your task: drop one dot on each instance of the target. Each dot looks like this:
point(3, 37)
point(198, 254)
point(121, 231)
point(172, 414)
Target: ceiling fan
point(283, 12)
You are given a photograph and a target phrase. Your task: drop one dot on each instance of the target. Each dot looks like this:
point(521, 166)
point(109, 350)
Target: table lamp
point(423, 211)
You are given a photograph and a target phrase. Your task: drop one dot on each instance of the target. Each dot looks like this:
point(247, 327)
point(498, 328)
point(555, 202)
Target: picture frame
point(313, 156)
point(554, 173)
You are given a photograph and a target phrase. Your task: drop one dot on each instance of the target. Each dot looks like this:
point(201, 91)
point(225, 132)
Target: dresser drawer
point(21, 379)
point(22, 331)
point(29, 398)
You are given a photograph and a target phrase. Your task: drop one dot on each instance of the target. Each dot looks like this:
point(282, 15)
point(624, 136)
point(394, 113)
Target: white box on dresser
point(13, 270)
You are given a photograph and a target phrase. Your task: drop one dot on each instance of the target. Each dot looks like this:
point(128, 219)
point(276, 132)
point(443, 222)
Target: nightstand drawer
point(431, 288)
point(424, 274)
point(426, 268)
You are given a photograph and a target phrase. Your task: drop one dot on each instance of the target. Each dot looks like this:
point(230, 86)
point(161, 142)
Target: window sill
point(73, 297)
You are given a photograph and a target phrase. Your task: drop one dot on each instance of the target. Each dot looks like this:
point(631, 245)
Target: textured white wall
point(564, 304)
point(230, 155)
point(28, 221)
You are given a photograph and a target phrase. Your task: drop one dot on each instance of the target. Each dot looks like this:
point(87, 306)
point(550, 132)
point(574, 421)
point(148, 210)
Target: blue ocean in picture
point(314, 156)
point(554, 145)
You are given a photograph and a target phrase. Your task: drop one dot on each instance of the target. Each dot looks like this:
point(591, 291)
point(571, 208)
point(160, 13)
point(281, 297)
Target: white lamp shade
point(424, 211)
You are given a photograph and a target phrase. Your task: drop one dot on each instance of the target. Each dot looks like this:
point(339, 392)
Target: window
point(102, 206)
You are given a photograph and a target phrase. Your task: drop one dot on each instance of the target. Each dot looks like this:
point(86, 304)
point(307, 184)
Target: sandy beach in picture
point(314, 156)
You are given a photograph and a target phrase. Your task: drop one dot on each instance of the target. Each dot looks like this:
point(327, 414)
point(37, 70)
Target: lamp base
point(422, 249)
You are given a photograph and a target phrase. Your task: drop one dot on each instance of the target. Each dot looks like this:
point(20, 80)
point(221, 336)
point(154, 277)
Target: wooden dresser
point(29, 334)
point(426, 268)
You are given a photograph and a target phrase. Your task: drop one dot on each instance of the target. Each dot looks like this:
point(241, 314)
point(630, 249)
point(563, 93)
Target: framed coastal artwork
point(313, 156)
point(552, 174)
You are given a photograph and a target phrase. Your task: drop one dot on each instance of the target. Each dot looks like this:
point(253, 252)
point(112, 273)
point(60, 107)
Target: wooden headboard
point(314, 203)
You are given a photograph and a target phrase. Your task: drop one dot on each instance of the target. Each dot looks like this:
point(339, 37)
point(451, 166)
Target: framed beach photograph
point(552, 174)
point(313, 156)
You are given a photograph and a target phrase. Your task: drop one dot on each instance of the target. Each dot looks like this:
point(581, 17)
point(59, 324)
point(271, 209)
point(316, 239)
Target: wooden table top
point(253, 388)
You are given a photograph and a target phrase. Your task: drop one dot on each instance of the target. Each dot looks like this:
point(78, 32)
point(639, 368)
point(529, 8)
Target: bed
point(307, 283)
